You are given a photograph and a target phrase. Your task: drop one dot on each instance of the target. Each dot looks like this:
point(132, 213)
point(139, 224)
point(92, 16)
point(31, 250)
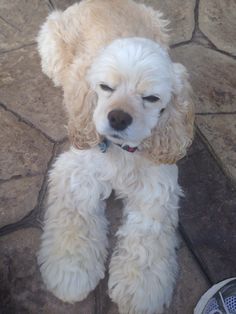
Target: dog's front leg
point(74, 242)
point(143, 267)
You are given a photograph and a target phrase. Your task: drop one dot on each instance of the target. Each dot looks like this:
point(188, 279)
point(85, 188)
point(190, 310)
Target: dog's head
point(130, 93)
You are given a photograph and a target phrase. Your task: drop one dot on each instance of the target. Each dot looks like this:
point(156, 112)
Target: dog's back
point(98, 22)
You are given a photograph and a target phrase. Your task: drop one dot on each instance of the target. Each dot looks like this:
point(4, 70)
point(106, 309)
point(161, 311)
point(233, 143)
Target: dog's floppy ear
point(80, 101)
point(174, 131)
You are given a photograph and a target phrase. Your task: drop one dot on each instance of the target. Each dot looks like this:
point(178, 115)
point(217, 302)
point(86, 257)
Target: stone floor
point(32, 133)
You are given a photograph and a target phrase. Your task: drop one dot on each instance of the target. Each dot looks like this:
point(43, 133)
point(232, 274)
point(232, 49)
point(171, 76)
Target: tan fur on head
point(174, 132)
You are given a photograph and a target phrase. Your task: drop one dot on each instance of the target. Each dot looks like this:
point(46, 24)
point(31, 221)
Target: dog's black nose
point(119, 120)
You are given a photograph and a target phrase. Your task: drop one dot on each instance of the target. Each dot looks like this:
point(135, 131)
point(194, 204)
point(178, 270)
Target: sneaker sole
point(209, 294)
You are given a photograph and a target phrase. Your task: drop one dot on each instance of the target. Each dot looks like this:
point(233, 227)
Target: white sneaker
point(219, 299)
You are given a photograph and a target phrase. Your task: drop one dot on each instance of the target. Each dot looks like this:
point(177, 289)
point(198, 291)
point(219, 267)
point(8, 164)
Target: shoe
point(219, 299)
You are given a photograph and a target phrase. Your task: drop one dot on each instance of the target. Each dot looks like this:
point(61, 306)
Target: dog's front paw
point(68, 282)
point(69, 279)
point(71, 266)
point(141, 288)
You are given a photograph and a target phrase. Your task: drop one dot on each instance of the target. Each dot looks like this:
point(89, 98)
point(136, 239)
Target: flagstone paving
point(30, 94)
point(217, 20)
point(33, 133)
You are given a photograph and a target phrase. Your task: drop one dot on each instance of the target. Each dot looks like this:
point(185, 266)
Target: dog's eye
point(106, 88)
point(151, 98)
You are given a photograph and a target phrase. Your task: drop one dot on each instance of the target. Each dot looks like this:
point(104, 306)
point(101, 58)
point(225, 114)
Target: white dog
point(130, 120)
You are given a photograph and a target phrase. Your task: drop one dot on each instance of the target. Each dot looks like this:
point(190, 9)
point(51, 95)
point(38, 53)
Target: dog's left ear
point(174, 131)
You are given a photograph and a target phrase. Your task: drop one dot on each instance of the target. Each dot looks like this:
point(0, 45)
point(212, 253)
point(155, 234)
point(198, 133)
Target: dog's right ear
point(81, 102)
point(56, 44)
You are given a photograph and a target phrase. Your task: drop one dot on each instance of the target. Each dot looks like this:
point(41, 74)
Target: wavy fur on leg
point(143, 267)
point(74, 243)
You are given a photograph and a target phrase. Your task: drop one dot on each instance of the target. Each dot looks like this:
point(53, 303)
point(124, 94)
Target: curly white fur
point(79, 55)
point(73, 250)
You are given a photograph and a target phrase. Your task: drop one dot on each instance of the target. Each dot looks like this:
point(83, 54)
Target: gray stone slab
point(27, 91)
point(207, 214)
point(61, 148)
point(21, 288)
point(213, 77)
point(220, 131)
point(180, 13)
point(18, 197)
point(191, 284)
point(63, 4)
point(20, 21)
point(217, 20)
point(23, 150)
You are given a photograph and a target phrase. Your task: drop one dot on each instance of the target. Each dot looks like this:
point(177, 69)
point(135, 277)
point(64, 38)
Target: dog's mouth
point(122, 141)
point(104, 145)
point(117, 136)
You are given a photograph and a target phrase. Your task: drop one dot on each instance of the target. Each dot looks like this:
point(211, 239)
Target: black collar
point(106, 143)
